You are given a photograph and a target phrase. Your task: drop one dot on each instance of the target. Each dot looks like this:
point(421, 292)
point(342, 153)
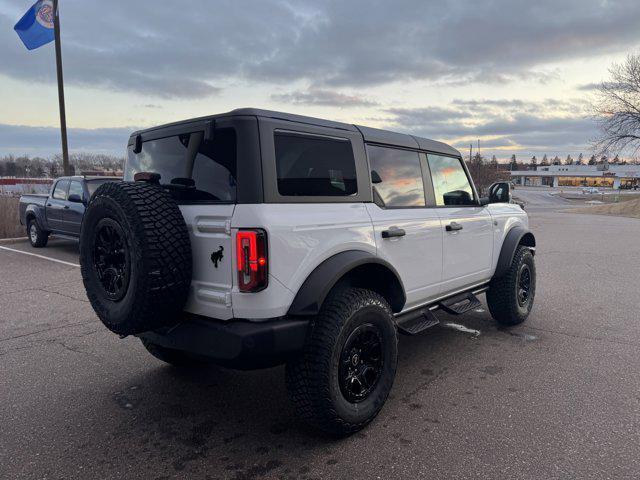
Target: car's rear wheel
point(37, 237)
point(510, 297)
point(343, 377)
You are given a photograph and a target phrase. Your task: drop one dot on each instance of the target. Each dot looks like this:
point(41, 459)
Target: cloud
point(323, 98)
point(45, 141)
point(199, 47)
point(551, 126)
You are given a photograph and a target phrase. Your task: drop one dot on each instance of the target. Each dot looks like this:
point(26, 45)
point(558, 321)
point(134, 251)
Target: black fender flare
point(324, 277)
point(518, 235)
point(38, 213)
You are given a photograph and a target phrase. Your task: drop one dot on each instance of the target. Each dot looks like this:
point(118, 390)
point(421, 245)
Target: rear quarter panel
point(300, 237)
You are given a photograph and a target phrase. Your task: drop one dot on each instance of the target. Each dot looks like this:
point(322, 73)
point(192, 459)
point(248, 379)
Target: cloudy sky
point(515, 74)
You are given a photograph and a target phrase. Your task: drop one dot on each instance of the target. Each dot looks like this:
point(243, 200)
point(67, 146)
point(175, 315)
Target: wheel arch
point(355, 268)
point(517, 236)
point(34, 213)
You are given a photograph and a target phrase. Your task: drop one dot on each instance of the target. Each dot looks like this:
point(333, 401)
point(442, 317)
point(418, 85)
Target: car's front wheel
point(510, 297)
point(37, 237)
point(343, 377)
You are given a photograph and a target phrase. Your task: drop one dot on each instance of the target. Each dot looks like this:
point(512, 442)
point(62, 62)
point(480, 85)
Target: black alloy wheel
point(111, 259)
point(361, 363)
point(524, 285)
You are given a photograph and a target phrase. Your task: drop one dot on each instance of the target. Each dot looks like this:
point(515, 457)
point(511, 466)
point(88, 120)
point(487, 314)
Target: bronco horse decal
point(217, 256)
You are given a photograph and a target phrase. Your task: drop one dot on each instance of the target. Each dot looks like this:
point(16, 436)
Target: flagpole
point(63, 115)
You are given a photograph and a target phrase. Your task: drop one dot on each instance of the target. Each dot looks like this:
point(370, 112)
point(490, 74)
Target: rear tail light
point(251, 252)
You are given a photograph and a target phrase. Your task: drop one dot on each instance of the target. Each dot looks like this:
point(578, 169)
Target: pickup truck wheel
point(342, 378)
point(37, 237)
point(510, 297)
point(177, 358)
point(135, 257)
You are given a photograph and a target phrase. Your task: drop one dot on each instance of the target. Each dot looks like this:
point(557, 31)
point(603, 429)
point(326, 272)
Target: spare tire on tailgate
point(135, 257)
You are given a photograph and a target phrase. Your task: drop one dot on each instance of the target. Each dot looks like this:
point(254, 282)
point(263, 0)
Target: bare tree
point(617, 109)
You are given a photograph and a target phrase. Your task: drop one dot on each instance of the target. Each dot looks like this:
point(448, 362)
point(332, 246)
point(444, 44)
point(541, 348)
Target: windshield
point(195, 169)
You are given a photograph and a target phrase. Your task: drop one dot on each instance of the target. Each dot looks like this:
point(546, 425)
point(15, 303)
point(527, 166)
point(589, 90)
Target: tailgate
point(210, 233)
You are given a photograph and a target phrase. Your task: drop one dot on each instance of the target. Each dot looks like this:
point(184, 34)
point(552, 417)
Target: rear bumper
point(237, 343)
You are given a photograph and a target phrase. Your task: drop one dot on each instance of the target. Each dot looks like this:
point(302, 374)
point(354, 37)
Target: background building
point(605, 175)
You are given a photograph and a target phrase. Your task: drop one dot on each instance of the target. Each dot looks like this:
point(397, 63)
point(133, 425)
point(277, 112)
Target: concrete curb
point(12, 240)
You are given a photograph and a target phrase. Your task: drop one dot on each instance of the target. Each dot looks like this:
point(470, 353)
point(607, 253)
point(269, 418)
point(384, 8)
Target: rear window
point(92, 185)
point(196, 170)
point(314, 166)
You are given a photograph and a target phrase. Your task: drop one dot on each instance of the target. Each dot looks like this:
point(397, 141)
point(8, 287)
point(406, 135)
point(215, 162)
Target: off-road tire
point(502, 296)
point(312, 378)
point(158, 252)
point(177, 358)
point(41, 236)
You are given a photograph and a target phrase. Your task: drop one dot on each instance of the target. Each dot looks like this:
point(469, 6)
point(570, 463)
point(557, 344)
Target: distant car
point(59, 212)
point(590, 190)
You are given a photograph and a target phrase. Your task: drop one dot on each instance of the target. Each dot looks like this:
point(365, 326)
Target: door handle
point(66, 207)
point(393, 232)
point(453, 227)
point(48, 204)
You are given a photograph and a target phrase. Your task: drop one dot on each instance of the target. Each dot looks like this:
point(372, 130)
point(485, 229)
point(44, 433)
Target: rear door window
point(195, 169)
point(60, 192)
point(396, 176)
point(313, 165)
point(450, 181)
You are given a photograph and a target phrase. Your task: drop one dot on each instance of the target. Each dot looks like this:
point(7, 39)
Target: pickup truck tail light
point(252, 261)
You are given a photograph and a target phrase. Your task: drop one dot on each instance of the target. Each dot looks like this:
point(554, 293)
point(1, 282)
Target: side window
point(310, 165)
point(60, 192)
point(76, 188)
point(396, 176)
point(450, 181)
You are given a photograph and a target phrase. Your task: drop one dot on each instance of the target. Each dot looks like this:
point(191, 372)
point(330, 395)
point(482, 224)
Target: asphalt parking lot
point(558, 397)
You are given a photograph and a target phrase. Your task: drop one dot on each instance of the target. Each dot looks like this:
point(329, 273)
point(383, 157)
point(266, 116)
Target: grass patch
point(630, 208)
point(10, 218)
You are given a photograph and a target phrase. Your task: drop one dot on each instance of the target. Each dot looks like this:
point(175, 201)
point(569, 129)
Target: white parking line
point(40, 256)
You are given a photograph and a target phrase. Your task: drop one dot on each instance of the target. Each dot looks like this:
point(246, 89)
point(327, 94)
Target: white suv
point(255, 238)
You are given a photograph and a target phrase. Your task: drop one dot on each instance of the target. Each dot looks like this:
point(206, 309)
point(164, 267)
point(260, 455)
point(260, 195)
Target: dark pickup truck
point(61, 211)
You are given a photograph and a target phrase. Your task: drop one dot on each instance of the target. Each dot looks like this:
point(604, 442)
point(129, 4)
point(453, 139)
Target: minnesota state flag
point(35, 28)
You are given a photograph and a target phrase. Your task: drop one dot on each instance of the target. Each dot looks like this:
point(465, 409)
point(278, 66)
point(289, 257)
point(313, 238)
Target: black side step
point(460, 303)
point(416, 321)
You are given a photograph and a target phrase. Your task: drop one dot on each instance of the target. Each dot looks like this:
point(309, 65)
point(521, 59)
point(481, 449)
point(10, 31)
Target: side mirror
point(457, 197)
point(500, 192)
point(375, 177)
point(75, 198)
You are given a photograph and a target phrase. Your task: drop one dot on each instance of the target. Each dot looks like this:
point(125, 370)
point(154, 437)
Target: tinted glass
point(60, 192)
point(450, 181)
point(76, 188)
point(214, 168)
point(401, 176)
point(314, 166)
point(194, 169)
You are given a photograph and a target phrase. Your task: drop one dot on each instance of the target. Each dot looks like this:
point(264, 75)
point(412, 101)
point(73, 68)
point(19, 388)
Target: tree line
point(39, 167)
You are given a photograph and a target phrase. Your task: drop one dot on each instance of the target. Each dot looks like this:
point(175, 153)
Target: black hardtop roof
point(373, 135)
